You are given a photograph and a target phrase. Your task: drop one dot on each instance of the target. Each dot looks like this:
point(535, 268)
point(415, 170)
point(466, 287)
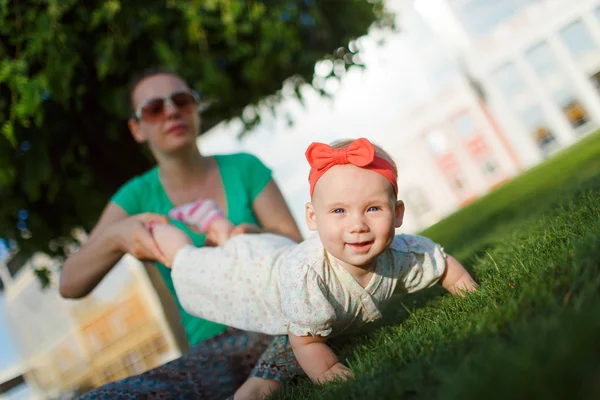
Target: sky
point(8, 355)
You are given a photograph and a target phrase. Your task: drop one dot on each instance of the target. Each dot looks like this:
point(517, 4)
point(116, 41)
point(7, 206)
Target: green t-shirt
point(244, 176)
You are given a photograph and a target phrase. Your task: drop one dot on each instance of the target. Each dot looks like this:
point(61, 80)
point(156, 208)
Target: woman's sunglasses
point(154, 109)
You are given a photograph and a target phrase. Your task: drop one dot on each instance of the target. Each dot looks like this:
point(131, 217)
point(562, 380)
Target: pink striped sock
point(200, 213)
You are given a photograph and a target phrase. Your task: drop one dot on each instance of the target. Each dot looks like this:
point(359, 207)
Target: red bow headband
point(360, 153)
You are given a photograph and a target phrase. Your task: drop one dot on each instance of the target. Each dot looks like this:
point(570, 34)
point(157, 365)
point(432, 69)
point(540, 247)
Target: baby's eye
point(338, 211)
point(374, 208)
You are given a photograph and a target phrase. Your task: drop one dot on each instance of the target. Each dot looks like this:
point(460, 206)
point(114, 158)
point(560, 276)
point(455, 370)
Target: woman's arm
point(317, 359)
point(273, 213)
point(115, 234)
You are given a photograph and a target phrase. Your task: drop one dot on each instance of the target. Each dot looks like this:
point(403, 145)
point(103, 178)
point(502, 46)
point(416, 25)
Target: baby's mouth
point(360, 247)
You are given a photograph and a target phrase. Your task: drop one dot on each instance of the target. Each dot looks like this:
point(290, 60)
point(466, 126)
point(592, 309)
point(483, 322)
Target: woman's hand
point(133, 236)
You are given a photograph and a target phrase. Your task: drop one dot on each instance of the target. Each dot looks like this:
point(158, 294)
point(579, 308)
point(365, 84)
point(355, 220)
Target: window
point(578, 39)
point(489, 166)
point(117, 323)
point(534, 116)
point(544, 138)
point(542, 60)
point(545, 64)
point(535, 121)
point(572, 108)
point(134, 363)
point(575, 113)
point(466, 126)
point(95, 341)
point(509, 80)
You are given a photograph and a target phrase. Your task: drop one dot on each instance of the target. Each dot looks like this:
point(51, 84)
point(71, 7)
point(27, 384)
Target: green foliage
point(530, 332)
point(65, 66)
point(44, 276)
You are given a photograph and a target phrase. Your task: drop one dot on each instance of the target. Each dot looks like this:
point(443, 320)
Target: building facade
point(525, 84)
point(71, 346)
point(539, 64)
point(449, 145)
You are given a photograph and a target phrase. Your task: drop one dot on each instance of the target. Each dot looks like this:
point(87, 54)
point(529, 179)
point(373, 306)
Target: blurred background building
point(521, 83)
point(466, 96)
point(67, 347)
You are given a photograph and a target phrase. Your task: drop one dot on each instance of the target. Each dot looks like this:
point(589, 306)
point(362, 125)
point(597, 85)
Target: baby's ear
point(399, 214)
point(311, 219)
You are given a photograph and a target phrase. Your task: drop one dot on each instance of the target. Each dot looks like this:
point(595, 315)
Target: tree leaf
point(8, 131)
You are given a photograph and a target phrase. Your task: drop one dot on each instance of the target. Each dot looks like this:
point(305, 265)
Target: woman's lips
point(177, 129)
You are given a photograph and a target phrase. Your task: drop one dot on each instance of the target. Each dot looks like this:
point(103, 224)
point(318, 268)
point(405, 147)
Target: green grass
point(531, 331)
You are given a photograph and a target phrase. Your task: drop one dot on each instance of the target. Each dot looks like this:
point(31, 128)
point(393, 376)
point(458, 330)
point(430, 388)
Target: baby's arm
point(170, 240)
point(317, 359)
point(456, 279)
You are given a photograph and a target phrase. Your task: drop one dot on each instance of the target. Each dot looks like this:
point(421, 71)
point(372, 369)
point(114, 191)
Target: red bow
point(360, 153)
point(321, 156)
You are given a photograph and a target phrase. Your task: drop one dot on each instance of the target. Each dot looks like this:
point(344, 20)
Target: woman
point(166, 118)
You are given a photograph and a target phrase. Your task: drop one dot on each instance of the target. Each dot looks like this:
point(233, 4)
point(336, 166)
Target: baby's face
point(355, 212)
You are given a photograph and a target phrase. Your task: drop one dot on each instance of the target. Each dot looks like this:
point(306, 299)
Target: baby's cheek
point(331, 239)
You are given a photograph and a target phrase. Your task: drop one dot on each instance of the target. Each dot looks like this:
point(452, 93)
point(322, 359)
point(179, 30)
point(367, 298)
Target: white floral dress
point(267, 283)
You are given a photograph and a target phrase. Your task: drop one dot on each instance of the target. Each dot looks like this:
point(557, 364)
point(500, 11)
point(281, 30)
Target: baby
point(332, 283)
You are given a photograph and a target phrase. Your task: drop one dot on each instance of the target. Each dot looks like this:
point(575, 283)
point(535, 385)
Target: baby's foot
point(201, 213)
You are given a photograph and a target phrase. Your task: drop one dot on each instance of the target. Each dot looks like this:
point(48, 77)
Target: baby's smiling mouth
point(361, 247)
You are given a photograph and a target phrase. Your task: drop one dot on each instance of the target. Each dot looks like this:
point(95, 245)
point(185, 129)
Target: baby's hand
point(456, 278)
point(217, 238)
point(219, 231)
point(245, 228)
point(169, 239)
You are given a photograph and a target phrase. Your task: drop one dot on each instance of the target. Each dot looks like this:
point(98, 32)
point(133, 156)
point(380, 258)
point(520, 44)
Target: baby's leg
point(275, 367)
point(207, 217)
point(170, 240)
point(201, 213)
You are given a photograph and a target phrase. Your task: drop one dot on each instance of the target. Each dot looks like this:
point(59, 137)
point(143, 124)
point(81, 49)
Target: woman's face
point(166, 125)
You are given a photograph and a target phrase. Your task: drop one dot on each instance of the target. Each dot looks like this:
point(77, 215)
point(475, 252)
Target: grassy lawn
point(533, 329)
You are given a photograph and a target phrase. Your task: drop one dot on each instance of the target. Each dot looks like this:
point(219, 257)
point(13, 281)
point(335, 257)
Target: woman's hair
point(147, 73)
point(381, 153)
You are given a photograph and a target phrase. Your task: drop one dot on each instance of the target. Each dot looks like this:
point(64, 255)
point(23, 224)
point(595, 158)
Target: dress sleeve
point(128, 197)
point(425, 263)
point(256, 174)
point(304, 301)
